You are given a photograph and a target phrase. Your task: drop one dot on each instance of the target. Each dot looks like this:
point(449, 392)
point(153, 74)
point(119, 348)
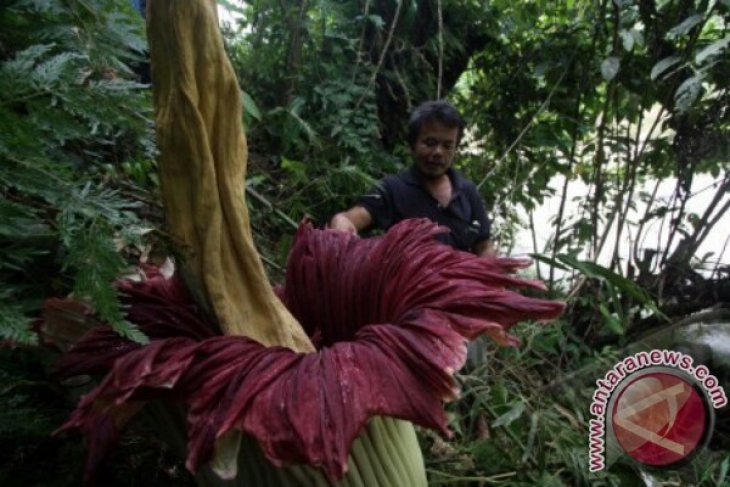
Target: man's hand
point(341, 223)
point(351, 221)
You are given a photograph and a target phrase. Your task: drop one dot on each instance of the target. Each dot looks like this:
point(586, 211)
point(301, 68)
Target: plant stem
point(374, 76)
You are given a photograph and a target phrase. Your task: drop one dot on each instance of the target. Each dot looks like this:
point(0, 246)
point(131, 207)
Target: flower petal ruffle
point(392, 316)
point(337, 283)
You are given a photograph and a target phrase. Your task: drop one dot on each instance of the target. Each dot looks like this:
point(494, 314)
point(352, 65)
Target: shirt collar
point(411, 177)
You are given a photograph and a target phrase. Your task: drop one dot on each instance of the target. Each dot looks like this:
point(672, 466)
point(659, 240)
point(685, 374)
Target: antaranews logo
point(655, 407)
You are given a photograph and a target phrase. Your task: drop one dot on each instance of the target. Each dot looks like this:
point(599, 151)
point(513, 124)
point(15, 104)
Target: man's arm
point(354, 220)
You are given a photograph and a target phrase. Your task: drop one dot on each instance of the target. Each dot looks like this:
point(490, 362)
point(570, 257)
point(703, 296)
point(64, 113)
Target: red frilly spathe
point(390, 317)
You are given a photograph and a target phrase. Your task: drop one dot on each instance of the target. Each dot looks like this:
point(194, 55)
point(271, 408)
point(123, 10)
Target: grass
point(521, 420)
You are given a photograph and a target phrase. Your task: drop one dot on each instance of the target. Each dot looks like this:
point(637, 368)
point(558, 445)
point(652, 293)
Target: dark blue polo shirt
point(402, 196)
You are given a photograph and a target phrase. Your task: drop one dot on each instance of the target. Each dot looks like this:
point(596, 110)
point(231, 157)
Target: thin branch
point(687, 247)
point(261, 199)
point(623, 210)
point(675, 223)
point(526, 127)
point(639, 241)
point(441, 50)
point(639, 124)
point(638, 153)
point(559, 220)
point(294, 57)
point(704, 226)
point(362, 40)
point(604, 236)
point(534, 242)
point(599, 247)
point(719, 258)
point(564, 194)
point(374, 76)
point(404, 87)
point(632, 168)
point(273, 264)
point(600, 158)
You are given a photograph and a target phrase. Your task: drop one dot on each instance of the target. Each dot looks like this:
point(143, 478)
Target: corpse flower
point(390, 318)
point(319, 386)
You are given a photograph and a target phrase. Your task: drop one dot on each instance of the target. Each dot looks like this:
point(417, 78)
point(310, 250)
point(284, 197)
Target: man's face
point(433, 152)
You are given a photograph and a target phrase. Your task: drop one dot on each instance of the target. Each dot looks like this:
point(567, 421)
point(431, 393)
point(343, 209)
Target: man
point(431, 188)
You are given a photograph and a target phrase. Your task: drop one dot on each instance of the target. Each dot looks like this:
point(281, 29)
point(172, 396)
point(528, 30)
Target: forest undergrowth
point(610, 94)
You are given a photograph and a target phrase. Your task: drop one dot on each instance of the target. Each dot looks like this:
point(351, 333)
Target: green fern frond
point(87, 227)
point(67, 110)
point(59, 68)
point(15, 326)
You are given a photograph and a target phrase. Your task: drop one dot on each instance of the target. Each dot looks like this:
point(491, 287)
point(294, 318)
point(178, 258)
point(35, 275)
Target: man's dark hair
point(441, 111)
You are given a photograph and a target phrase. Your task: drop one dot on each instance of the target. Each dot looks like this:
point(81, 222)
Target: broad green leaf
point(377, 21)
point(614, 280)
point(712, 50)
point(510, 416)
point(687, 93)
point(250, 106)
point(627, 39)
point(541, 68)
point(499, 393)
point(685, 26)
point(638, 37)
point(663, 65)
point(550, 261)
point(611, 321)
point(725, 465)
point(610, 67)
point(615, 300)
point(297, 169)
point(597, 271)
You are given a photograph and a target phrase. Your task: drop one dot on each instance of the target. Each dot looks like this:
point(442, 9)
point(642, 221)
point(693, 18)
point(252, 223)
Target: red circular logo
point(659, 418)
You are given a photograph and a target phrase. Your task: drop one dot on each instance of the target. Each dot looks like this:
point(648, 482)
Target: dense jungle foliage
point(615, 96)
